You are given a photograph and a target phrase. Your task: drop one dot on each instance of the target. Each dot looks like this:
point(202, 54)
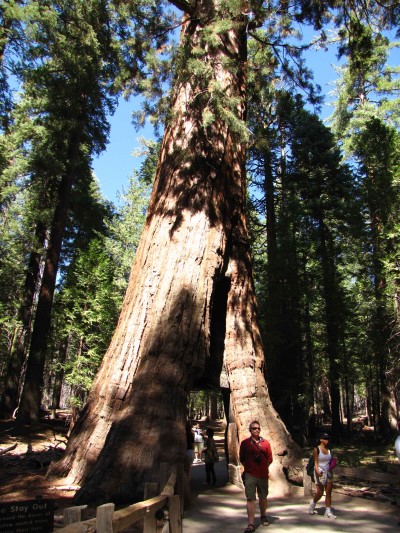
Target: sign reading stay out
point(30, 516)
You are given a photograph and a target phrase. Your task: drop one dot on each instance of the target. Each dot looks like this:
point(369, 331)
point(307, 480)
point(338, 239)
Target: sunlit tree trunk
point(192, 262)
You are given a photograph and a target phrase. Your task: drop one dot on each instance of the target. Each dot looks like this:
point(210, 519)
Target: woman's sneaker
point(329, 514)
point(311, 509)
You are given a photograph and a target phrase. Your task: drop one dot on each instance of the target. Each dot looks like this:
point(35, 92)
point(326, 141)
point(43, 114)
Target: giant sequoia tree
point(189, 313)
point(190, 303)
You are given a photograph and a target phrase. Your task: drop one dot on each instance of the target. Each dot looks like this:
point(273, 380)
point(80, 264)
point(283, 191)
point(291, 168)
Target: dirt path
point(218, 509)
point(222, 509)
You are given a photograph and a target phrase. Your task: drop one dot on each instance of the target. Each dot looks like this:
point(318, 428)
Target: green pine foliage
point(125, 229)
point(89, 299)
point(89, 304)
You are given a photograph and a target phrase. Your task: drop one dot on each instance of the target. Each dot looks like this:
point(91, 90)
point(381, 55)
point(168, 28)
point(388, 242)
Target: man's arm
point(269, 453)
point(242, 454)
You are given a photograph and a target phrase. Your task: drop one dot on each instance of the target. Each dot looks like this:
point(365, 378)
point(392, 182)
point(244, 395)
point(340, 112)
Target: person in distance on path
point(255, 456)
point(210, 457)
point(198, 443)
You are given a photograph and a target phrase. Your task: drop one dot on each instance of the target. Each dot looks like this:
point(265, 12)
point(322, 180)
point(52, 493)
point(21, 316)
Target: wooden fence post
point(151, 489)
point(175, 516)
point(104, 518)
point(150, 522)
point(73, 514)
point(181, 480)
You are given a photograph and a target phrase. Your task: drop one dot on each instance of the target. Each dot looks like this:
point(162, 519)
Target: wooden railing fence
point(172, 498)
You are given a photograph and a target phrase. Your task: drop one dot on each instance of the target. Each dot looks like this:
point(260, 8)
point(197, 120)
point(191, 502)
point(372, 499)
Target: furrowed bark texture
point(195, 241)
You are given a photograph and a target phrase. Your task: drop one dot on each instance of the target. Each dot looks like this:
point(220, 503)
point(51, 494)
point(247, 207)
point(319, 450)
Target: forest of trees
point(319, 228)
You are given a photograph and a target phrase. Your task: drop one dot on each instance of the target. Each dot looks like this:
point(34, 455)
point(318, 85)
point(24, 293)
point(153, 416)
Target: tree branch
point(5, 450)
point(184, 6)
point(276, 45)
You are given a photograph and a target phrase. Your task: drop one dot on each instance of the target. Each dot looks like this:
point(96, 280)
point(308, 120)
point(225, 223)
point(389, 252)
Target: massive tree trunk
point(190, 302)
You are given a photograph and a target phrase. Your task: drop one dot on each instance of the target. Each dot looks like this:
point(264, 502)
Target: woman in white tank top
point(323, 476)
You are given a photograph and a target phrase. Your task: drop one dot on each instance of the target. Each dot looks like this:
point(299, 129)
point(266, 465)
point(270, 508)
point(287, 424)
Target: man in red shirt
point(255, 456)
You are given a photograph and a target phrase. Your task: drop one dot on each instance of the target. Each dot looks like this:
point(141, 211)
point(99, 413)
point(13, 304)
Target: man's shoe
point(329, 514)
point(311, 509)
point(264, 521)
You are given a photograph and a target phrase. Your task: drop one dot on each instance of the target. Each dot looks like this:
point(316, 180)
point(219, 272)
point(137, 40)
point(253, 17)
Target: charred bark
point(195, 238)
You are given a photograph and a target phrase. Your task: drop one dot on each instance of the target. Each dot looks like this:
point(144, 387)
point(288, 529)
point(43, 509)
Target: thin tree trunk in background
point(349, 390)
point(272, 301)
point(194, 241)
point(59, 374)
point(10, 397)
point(283, 338)
point(332, 323)
point(380, 332)
point(325, 401)
point(347, 399)
point(207, 405)
point(369, 403)
point(310, 382)
point(375, 390)
point(31, 396)
point(214, 407)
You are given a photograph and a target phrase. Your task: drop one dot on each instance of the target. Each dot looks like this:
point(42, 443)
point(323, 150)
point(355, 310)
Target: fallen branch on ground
point(2, 452)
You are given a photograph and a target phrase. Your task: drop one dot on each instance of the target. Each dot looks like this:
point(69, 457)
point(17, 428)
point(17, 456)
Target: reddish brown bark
point(170, 330)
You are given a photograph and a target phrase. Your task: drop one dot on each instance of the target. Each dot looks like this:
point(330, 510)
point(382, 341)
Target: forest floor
point(26, 452)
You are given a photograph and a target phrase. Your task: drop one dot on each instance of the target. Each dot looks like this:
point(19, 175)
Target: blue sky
point(115, 166)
